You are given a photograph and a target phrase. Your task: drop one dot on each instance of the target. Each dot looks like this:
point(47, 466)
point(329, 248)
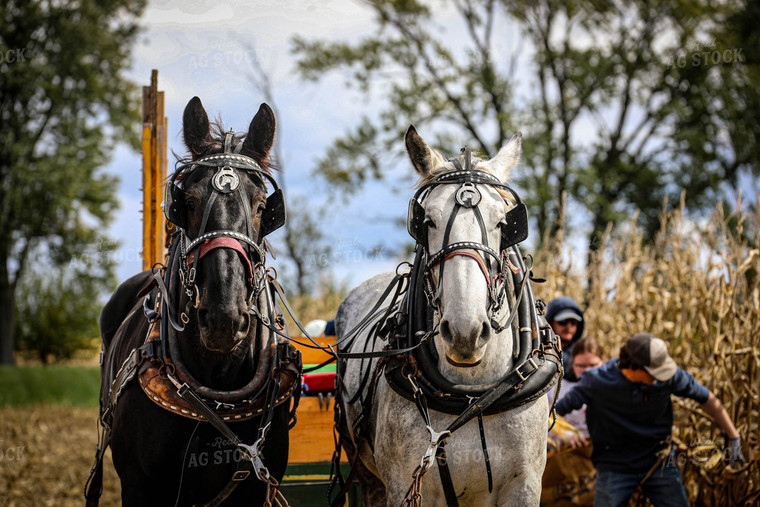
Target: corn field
point(697, 287)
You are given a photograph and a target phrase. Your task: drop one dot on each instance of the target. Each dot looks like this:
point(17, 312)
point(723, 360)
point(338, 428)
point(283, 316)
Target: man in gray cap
point(630, 420)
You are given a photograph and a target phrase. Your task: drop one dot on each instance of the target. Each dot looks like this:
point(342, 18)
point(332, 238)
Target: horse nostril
point(485, 334)
point(203, 323)
point(243, 327)
point(446, 331)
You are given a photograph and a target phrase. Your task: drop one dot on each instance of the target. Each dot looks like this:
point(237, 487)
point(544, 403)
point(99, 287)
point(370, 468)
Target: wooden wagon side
point(307, 477)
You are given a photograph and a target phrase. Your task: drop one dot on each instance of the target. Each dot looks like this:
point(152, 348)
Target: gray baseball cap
point(569, 313)
point(651, 353)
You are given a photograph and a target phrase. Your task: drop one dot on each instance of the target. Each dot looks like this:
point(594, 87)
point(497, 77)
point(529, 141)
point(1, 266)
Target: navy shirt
point(628, 421)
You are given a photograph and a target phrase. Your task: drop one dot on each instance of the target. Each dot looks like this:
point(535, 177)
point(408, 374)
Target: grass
point(48, 451)
point(49, 385)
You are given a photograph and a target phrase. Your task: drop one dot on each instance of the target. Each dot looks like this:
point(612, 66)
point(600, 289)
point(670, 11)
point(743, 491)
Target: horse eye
point(428, 222)
point(261, 208)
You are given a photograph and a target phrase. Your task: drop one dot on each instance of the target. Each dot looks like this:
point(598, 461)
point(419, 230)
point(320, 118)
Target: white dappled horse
point(481, 334)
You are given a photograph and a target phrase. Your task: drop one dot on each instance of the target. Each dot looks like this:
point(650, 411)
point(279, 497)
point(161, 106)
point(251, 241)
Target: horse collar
point(536, 358)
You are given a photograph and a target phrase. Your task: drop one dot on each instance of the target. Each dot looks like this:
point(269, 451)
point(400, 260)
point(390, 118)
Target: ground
point(47, 453)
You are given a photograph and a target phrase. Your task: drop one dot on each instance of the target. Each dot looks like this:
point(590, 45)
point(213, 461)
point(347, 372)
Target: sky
point(205, 48)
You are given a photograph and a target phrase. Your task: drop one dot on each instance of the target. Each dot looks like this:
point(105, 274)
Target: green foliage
point(57, 308)
point(611, 118)
point(51, 385)
point(64, 104)
point(461, 85)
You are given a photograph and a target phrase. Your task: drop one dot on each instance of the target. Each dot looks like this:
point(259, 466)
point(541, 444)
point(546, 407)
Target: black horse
point(197, 341)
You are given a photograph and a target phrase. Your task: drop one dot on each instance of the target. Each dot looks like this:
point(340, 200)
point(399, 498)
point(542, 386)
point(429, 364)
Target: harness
point(408, 362)
point(157, 363)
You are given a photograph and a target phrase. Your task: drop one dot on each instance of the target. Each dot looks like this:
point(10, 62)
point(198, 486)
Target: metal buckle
point(532, 363)
point(225, 180)
point(241, 475)
point(253, 454)
point(468, 195)
point(436, 437)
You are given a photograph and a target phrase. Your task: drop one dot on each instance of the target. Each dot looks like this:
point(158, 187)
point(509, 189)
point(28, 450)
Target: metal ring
point(409, 264)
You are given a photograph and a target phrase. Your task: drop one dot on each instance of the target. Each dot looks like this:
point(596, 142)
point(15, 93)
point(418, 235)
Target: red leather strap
point(473, 255)
point(223, 242)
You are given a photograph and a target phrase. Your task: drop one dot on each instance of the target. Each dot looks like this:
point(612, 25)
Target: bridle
point(226, 180)
point(495, 264)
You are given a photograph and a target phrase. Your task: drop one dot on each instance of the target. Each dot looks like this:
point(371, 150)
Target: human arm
point(573, 400)
point(717, 411)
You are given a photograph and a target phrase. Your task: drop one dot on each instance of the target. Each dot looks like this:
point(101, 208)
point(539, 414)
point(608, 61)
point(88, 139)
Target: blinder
point(174, 202)
point(515, 228)
point(274, 215)
point(415, 222)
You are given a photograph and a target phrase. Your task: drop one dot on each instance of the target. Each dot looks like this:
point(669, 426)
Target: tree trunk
point(7, 309)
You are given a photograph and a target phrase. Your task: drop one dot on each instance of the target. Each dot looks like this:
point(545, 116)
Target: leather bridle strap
point(223, 242)
point(252, 459)
point(471, 255)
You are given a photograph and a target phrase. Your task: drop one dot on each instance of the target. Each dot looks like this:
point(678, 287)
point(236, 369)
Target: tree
point(304, 242)
point(718, 108)
point(608, 85)
point(57, 314)
point(603, 113)
point(64, 103)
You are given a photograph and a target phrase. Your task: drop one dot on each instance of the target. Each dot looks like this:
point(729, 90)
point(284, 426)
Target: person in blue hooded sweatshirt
point(565, 317)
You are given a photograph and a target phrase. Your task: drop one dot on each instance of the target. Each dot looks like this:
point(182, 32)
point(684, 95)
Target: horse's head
point(218, 199)
point(463, 216)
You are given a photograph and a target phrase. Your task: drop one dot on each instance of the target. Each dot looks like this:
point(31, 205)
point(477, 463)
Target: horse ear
point(507, 158)
point(195, 126)
point(260, 136)
point(423, 158)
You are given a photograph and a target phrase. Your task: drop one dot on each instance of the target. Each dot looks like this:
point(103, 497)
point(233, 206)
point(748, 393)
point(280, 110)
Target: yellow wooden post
point(154, 173)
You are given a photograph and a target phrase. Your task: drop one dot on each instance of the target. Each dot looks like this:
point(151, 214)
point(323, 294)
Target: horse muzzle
point(222, 331)
point(463, 364)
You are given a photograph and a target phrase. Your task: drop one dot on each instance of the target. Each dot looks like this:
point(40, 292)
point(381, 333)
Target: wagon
point(307, 477)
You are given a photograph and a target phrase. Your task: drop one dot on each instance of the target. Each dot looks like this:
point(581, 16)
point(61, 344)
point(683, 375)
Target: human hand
point(735, 451)
point(576, 441)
